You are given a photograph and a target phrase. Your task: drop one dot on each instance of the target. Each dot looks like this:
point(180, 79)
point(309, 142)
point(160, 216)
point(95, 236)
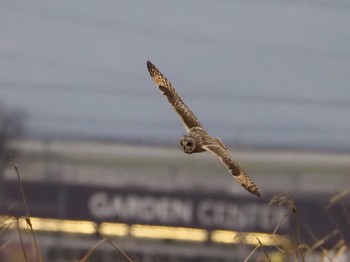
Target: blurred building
point(158, 204)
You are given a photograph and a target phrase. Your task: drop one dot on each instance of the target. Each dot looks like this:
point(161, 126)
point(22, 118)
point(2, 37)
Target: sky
point(254, 72)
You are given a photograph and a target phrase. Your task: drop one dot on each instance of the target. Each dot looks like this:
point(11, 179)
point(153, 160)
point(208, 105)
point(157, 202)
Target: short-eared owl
point(197, 139)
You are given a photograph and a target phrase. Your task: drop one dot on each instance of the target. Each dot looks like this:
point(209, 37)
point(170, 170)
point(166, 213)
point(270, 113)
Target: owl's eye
point(189, 144)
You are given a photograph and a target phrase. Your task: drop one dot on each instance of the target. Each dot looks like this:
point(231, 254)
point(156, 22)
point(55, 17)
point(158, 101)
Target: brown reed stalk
point(20, 237)
point(115, 246)
point(27, 218)
point(87, 256)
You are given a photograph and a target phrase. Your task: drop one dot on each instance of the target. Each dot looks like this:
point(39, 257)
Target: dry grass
point(27, 219)
point(298, 251)
point(115, 246)
point(88, 254)
point(4, 225)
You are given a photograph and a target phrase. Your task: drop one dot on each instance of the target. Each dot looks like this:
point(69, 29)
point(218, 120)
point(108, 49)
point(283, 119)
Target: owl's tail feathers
point(248, 184)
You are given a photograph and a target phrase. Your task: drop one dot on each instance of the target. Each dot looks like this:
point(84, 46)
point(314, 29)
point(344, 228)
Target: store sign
point(141, 206)
point(147, 209)
point(197, 209)
point(200, 211)
point(185, 209)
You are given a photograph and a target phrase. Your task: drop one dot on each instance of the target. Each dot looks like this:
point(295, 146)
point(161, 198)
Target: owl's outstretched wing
point(186, 115)
point(226, 158)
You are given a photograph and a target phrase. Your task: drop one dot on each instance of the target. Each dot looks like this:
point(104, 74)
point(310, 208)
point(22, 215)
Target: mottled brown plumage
point(197, 139)
point(186, 115)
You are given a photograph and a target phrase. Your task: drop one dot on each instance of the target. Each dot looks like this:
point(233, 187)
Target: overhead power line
point(147, 93)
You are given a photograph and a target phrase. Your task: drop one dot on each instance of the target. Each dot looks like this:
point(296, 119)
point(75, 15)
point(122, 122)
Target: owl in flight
point(197, 139)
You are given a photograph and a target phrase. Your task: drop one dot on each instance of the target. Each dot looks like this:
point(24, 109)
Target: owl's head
point(188, 144)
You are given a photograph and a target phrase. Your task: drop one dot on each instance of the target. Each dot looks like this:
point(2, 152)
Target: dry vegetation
point(297, 250)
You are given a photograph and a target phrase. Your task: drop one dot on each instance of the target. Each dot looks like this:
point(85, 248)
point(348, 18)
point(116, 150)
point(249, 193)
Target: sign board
point(197, 209)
